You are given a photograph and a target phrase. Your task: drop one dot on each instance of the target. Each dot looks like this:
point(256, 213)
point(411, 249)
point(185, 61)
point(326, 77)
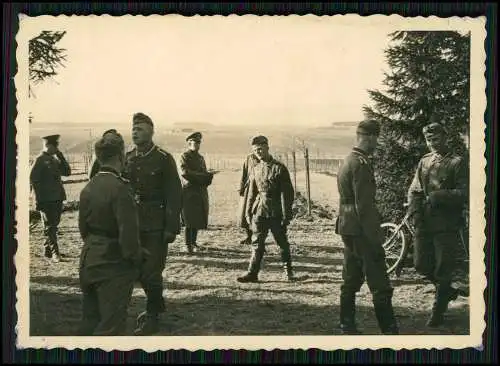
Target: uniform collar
point(360, 151)
point(137, 154)
point(107, 169)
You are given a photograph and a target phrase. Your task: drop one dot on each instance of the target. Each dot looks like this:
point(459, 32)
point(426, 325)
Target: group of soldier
point(135, 204)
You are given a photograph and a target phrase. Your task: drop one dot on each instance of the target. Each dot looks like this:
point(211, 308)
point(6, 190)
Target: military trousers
point(364, 260)
point(105, 305)
point(260, 231)
point(50, 213)
point(434, 255)
point(151, 277)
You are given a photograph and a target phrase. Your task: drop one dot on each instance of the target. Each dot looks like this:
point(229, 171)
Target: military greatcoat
point(196, 179)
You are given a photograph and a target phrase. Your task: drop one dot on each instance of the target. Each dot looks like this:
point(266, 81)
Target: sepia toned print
point(250, 182)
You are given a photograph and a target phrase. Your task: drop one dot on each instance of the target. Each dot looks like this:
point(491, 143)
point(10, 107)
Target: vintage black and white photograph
point(276, 182)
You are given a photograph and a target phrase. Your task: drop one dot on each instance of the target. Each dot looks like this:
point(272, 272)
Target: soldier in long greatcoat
point(196, 179)
point(250, 161)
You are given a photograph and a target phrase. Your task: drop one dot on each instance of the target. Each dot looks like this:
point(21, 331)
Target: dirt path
point(204, 298)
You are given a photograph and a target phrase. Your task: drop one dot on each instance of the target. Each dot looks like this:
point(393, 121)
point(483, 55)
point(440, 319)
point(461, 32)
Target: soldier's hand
point(285, 222)
point(168, 237)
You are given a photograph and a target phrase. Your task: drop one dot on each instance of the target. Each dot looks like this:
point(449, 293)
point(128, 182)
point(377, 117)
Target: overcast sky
point(218, 70)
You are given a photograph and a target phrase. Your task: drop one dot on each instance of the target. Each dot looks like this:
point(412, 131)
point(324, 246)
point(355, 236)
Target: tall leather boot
point(287, 265)
point(444, 294)
point(384, 313)
point(147, 324)
point(348, 313)
point(54, 246)
point(252, 274)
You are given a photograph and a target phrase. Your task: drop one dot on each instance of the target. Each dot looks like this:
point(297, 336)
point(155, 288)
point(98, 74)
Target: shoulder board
point(124, 180)
point(359, 157)
point(161, 151)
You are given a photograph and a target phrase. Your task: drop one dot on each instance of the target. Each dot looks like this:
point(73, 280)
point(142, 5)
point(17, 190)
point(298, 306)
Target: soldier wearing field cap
point(157, 189)
point(358, 223)
point(268, 208)
point(438, 195)
point(45, 179)
point(95, 164)
point(111, 256)
point(196, 180)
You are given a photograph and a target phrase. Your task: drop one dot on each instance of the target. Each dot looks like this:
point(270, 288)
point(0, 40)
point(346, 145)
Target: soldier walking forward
point(157, 190)
point(359, 223)
point(196, 179)
point(269, 207)
point(111, 256)
point(45, 179)
point(438, 195)
point(248, 165)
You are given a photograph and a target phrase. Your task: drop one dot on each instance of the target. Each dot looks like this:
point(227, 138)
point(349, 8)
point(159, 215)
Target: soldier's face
point(435, 142)
point(50, 148)
point(142, 133)
point(260, 151)
point(194, 145)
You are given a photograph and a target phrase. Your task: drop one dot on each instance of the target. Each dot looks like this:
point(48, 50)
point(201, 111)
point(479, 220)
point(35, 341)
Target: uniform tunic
point(156, 187)
point(111, 255)
point(46, 182)
point(248, 165)
point(439, 195)
point(270, 200)
point(359, 223)
point(196, 179)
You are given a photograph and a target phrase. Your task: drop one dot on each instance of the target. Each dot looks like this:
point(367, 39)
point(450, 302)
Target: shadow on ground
point(58, 314)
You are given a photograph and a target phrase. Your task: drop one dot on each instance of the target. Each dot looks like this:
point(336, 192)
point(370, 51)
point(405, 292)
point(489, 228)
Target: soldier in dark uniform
point(358, 223)
point(248, 165)
point(269, 207)
point(158, 192)
point(45, 179)
point(111, 256)
point(196, 179)
point(438, 195)
point(95, 164)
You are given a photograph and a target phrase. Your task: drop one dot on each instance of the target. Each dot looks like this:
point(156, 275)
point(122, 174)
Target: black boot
point(54, 246)
point(384, 313)
point(254, 267)
point(147, 324)
point(348, 314)
point(287, 265)
point(444, 294)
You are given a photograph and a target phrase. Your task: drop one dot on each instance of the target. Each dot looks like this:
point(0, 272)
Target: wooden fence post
point(308, 182)
point(294, 171)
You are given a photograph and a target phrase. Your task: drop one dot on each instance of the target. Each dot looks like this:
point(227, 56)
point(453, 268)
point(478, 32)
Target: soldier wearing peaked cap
point(358, 223)
point(196, 180)
point(45, 179)
point(111, 256)
point(268, 208)
point(438, 195)
point(95, 164)
point(157, 189)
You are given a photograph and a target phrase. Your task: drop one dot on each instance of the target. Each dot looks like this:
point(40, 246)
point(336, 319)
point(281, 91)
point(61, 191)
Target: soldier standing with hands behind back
point(157, 190)
point(438, 195)
point(359, 223)
point(45, 179)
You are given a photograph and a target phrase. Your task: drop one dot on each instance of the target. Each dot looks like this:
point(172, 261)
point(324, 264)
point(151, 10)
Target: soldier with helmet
point(45, 180)
point(358, 223)
point(268, 208)
point(157, 189)
point(438, 195)
point(111, 256)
